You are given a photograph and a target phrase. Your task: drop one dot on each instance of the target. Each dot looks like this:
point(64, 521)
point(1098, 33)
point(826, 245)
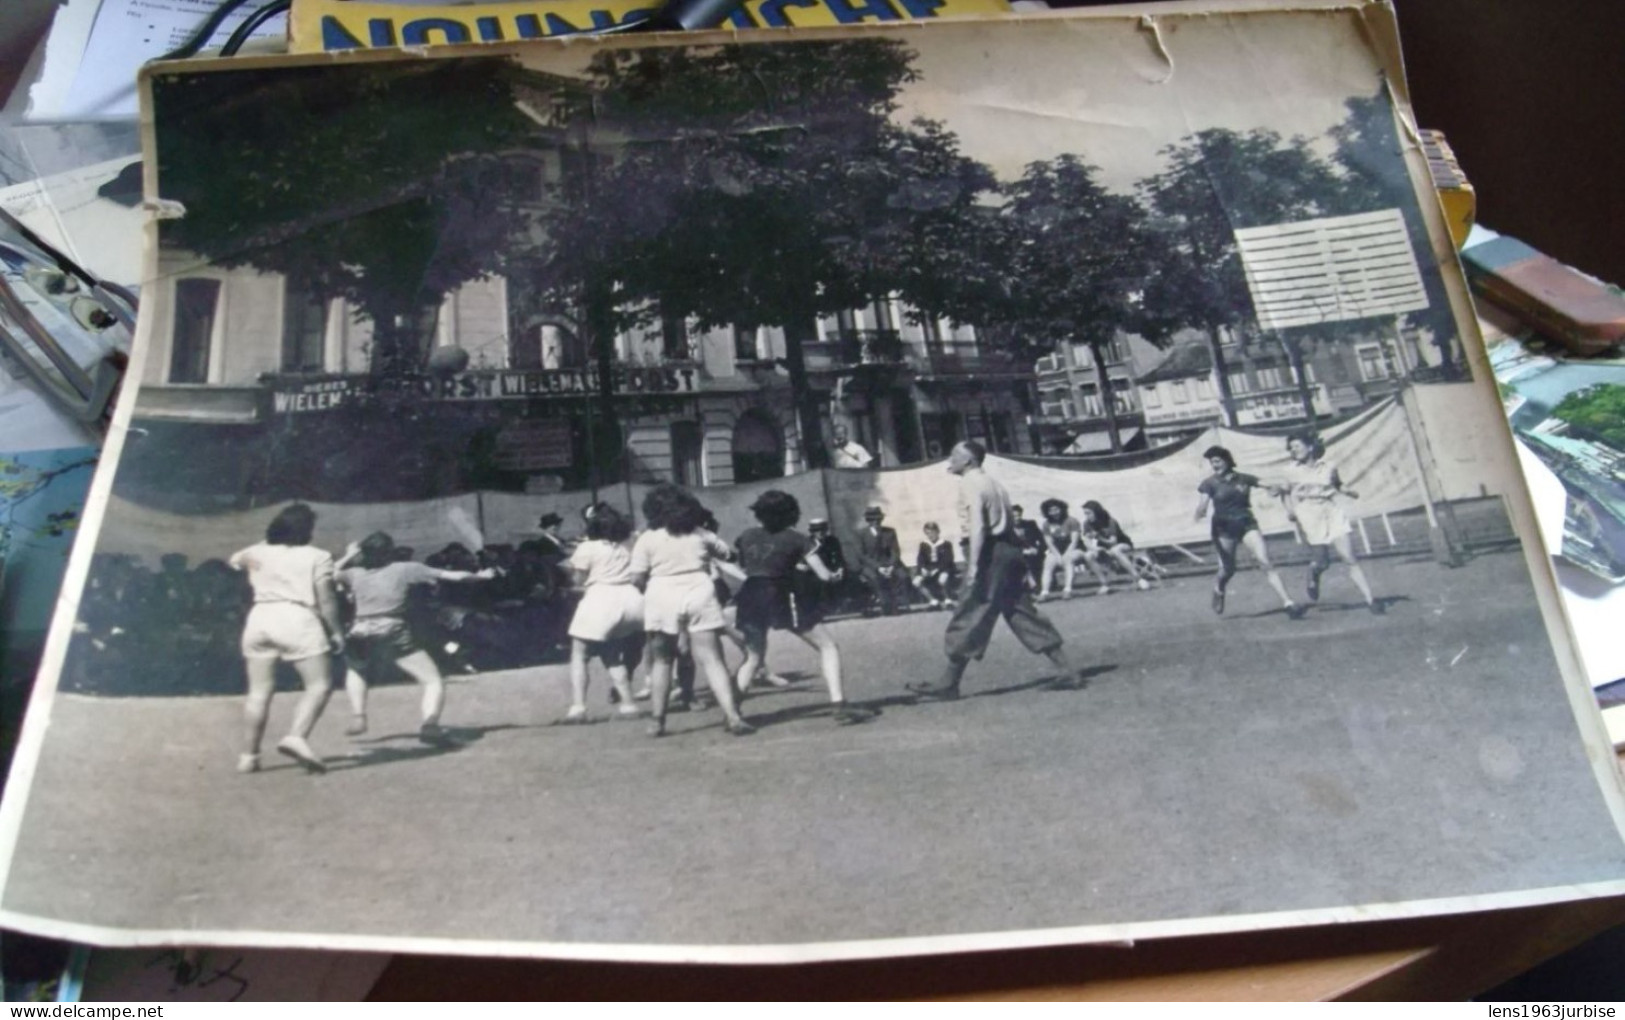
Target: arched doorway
point(758, 447)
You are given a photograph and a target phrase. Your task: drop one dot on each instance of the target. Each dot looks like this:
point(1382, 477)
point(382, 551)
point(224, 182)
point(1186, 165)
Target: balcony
point(869, 347)
point(952, 362)
point(851, 349)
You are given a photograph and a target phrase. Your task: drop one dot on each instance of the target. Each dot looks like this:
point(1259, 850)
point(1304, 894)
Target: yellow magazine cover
point(318, 26)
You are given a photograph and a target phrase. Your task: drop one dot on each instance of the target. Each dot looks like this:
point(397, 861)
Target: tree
point(1597, 412)
point(1375, 176)
point(1217, 181)
point(1076, 257)
point(761, 186)
point(387, 185)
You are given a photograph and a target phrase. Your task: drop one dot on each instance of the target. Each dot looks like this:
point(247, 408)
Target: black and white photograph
point(769, 497)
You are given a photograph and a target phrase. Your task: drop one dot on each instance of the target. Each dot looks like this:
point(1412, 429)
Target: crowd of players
point(660, 600)
point(188, 619)
point(177, 629)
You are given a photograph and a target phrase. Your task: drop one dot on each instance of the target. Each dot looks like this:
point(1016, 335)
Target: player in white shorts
point(295, 619)
point(673, 562)
point(608, 621)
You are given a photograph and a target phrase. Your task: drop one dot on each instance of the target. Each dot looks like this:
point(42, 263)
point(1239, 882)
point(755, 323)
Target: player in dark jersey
point(1229, 493)
point(770, 556)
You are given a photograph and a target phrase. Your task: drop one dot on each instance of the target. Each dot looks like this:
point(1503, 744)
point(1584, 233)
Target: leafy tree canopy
point(1597, 412)
point(378, 183)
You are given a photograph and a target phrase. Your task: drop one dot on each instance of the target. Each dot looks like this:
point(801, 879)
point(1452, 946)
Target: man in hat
point(880, 562)
point(994, 583)
point(839, 592)
point(547, 553)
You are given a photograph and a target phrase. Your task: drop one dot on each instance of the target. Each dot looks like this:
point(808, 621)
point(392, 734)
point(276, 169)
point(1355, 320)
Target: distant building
point(1071, 417)
point(1164, 395)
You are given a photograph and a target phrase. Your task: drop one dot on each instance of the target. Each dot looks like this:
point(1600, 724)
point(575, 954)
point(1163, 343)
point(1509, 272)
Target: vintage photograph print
point(777, 497)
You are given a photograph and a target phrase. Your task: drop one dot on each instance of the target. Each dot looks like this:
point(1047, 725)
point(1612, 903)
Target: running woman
point(379, 583)
point(1104, 539)
point(769, 556)
point(673, 561)
point(1229, 493)
point(295, 619)
point(1313, 492)
point(608, 620)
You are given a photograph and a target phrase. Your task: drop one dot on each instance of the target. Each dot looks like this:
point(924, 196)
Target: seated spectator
point(936, 574)
point(1031, 537)
point(880, 563)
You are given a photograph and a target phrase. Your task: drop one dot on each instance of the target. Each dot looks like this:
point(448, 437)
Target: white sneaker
point(299, 751)
point(1143, 584)
point(248, 763)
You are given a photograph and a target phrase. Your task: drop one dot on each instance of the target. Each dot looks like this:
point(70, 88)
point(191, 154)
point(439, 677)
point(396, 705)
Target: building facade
point(1165, 395)
point(247, 355)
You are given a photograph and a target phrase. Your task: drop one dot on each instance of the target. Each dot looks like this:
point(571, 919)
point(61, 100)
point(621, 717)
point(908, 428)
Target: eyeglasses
point(63, 328)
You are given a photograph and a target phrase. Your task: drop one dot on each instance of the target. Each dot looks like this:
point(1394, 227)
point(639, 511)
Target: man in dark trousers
point(994, 583)
point(880, 561)
point(1031, 537)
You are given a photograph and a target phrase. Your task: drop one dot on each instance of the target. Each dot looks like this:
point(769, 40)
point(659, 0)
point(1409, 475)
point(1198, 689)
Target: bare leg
point(420, 667)
point(755, 655)
point(355, 691)
point(256, 709)
point(1125, 559)
point(829, 660)
point(662, 648)
point(1098, 571)
point(704, 646)
point(316, 673)
point(1345, 552)
point(579, 651)
point(1255, 545)
point(620, 678)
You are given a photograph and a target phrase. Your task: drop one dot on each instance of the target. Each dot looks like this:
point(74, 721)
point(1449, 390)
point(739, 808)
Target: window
point(1204, 388)
point(1182, 392)
point(1122, 395)
point(1372, 363)
point(1150, 396)
point(304, 330)
point(1239, 383)
point(1269, 378)
point(1050, 363)
point(1089, 402)
point(746, 343)
point(932, 330)
point(196, 306)
point(525, 346)
point(882, 313)
point(674, 338)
